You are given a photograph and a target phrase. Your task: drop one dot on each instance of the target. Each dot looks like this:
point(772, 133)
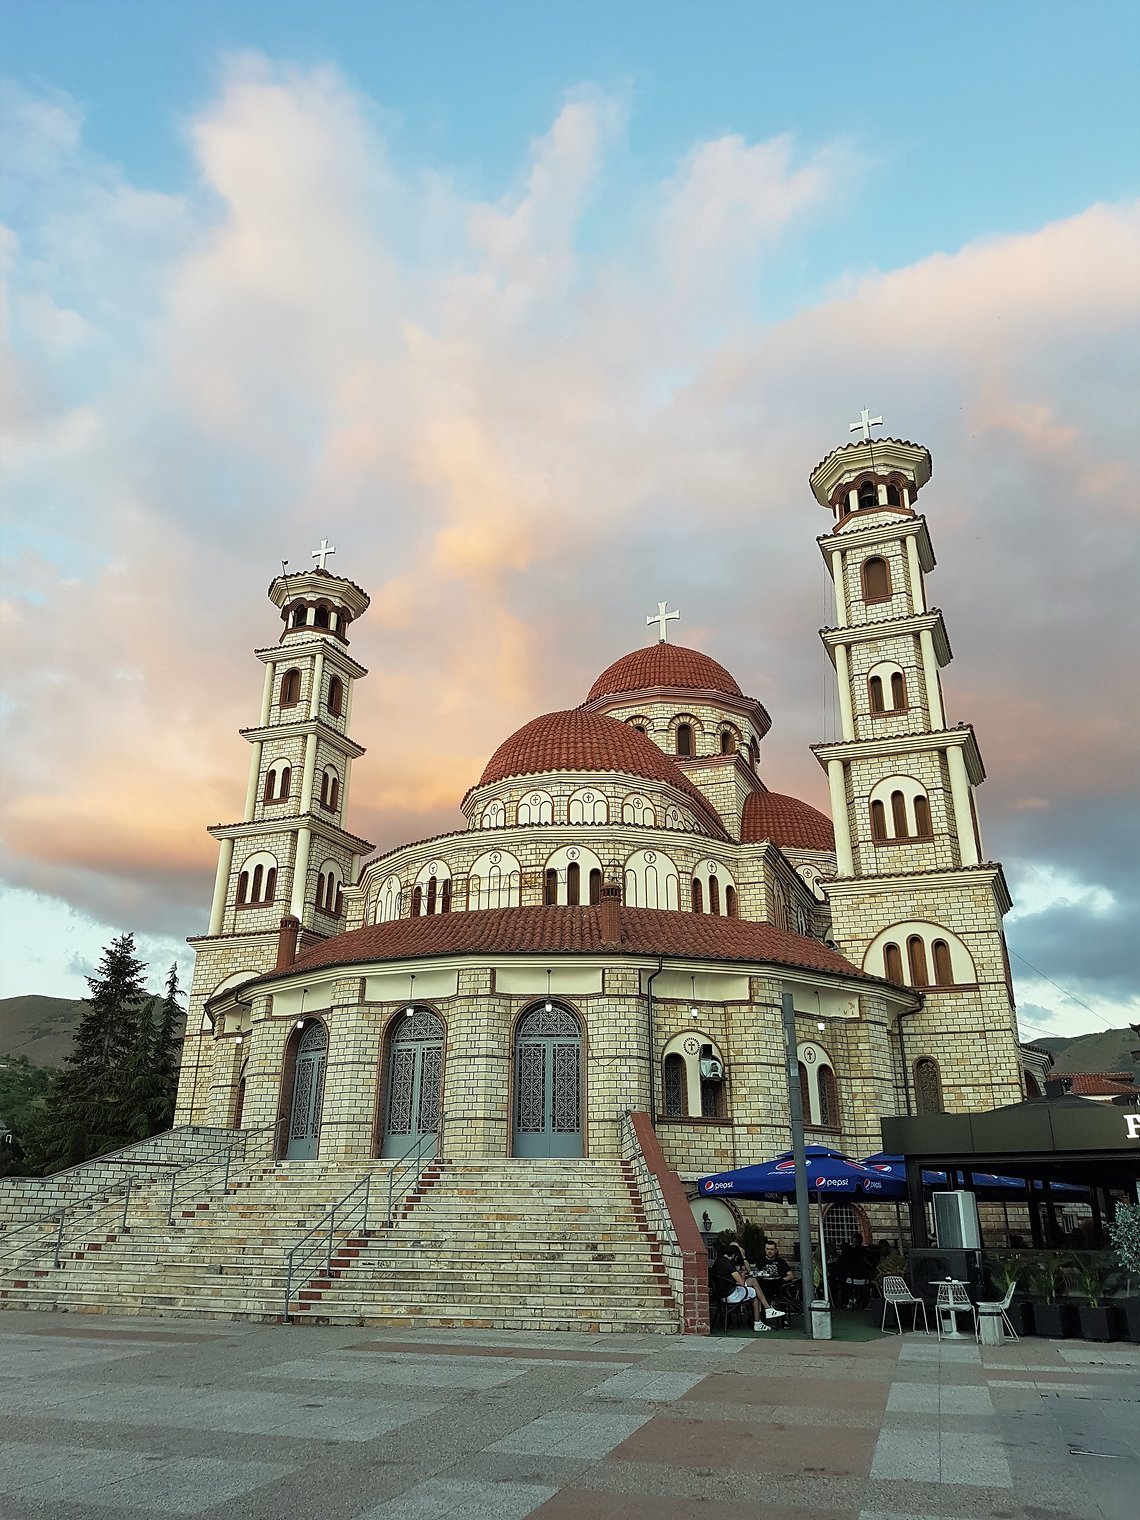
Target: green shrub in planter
point(1004, 1269)
point(1051, 1316)
point(1124, 1233)
point(1097, 1319)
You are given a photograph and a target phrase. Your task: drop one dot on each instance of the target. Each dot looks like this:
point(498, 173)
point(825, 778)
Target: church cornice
point(300, 729)
point(962, 738)
point(857, 537)
point(990, 871)
point(318, 643)
point(916, 622)
point(321, 828)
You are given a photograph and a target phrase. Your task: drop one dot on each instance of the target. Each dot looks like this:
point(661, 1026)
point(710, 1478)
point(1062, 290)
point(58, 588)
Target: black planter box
point(1099, 1323)
point(1055, 1321)
point(875, 1312)
point(1129, 1308)
point(1021, 1313)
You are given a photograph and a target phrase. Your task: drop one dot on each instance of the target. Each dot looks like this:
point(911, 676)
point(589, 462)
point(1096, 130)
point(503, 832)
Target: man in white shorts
point(728, 1284)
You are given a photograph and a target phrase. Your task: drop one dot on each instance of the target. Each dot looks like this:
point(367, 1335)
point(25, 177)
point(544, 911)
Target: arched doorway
point(548, 1083)
point(413, 1077)
point(308, 1093)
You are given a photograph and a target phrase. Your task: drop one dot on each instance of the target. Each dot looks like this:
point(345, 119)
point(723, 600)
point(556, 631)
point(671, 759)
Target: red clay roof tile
point(664, 665)
point(785, 821)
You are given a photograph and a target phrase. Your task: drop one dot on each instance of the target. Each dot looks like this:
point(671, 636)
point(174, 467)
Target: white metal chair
point(896, 1293)
point(952, 1300)
point(999, 1306)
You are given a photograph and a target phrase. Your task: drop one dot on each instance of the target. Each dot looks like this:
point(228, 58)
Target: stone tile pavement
point(106, 1418)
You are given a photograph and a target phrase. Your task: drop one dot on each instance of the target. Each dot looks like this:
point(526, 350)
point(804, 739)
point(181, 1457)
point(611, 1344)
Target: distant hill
point(1103, 1050)
point(41, 1028)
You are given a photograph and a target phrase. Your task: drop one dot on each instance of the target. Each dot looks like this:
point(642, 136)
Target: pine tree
point(167, 1054)
point(87, 1117)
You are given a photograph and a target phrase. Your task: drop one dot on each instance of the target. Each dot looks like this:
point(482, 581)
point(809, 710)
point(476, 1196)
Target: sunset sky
point(542, 313)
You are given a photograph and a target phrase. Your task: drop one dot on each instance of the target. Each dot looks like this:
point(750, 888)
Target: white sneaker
point(761, 1329)
point(776, 1314)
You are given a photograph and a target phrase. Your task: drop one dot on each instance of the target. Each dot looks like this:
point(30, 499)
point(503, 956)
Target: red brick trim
point(695, 1310)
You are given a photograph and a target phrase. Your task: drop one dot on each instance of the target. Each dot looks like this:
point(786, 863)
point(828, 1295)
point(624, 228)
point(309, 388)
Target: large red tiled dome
point(580, 740)
point(785, 821)
point(664, 665)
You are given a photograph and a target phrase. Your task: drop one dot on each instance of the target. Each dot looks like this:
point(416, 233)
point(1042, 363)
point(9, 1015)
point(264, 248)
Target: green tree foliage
point(117, 1085)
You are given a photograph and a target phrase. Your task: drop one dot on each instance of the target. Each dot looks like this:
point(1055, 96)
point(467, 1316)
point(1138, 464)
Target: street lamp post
point(796, 1110)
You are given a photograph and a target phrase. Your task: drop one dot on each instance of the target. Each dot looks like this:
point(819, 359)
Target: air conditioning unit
point(956, 1221)
point(712, 1070)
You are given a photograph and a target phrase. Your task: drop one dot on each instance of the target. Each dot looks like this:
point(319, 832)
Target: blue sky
point(525, 303)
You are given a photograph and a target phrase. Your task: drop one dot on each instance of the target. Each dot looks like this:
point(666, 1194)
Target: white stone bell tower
point(290, 856)
point(914, 898)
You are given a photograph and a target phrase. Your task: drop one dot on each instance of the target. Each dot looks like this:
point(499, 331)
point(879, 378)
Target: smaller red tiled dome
point(581, 741)
point(785, 821)
point(664, 665)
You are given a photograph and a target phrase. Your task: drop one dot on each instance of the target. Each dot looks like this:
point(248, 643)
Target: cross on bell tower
point(661, 619)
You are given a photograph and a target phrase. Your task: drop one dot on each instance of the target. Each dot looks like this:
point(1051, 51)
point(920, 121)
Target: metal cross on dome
point(865, 424)
point(321, 554)
point(661, 619)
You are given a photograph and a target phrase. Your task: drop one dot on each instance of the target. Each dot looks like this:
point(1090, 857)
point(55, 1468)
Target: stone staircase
point(503, 1244)
point(509, 1245)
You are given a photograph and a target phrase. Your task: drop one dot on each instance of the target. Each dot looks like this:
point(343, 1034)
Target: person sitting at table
point(730, 1286)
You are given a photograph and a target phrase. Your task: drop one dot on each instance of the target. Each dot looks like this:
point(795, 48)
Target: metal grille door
point(413, 1081)
point(308, 1094)
point(548, 1084)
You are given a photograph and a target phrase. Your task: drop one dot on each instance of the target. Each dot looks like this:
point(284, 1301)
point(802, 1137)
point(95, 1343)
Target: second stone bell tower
point(914, 898)
point(290, 856)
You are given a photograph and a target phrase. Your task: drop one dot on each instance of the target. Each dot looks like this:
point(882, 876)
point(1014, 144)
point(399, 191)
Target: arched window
point(334, 794)
point(321, 617)
point(892, 964)
point(588, 806)
point(878, 821)
point(330, 789)
point(269, 791)
point(875, 687)
point(255, 889)
point(898, 691)
point(868, 496)
point(270, 884)
point(898, 815)
point(754, 752)
point(417, 901)
point(494, 815)
point(712, 1100)
point(730, 901)
point(943, 968)
point(536, 807)
point(550, 896)
point(573, 884)
point(286, 782)
point(243, 889)
point(876, 579)
point(673, 1082)
point(922, 826)
point(916, 955)
point(828, 1099)
point(595, 887)
point(714, 895)
point(445, 897)
point(432, 892)
point(290, 688)
point(336, 696)
point(928, 1086)
point(893, 497)
point(697, 896)
point(320, 889)
point(729, 741)
point(684, 738)
point(299, 616)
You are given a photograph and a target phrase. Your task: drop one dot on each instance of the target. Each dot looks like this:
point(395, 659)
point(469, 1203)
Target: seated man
point(729, 1286)
point(774, 1273)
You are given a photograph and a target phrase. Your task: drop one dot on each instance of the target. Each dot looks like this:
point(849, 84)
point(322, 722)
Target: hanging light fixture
point(549, 1004)
point(410, 1010)
point(693, 1009)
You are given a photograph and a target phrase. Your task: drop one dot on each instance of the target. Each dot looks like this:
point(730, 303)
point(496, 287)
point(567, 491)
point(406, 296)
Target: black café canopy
point(1067, 1137)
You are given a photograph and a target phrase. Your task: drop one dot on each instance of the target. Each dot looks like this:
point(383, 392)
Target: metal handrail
point(224, 1164)
point(323, 1238)
point(315, 1249)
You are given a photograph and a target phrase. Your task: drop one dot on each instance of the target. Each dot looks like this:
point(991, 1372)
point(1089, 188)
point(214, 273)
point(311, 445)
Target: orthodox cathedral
point(613, 924)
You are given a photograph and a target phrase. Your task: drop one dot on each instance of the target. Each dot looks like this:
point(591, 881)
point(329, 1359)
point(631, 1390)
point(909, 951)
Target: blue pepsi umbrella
point(894, 1168)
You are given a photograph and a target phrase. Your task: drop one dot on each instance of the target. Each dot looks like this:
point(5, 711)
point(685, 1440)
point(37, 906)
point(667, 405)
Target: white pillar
point(930, 679)
point(267, 693)
point(344, 790)
point(840, 588)
point(300, 874)
point(960, 797)
point(309, 772)
point(221, 882)
point(844, 859)
point(881, 493)
point(843, 678)
point(318, 681)
point(917, 597)
point(251, 784)
point(853, 499)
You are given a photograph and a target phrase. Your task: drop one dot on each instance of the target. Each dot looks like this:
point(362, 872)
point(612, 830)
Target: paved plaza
point(116, 1417)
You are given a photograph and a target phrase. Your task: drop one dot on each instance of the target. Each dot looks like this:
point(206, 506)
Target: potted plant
point(1124, 1232)
point(1051, 1316)
point(1008, 1269)
point(1097, 1319)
